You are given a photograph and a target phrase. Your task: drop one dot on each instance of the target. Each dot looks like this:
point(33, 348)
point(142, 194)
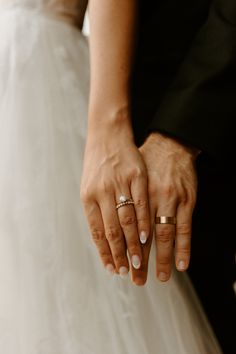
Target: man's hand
point(172, 185)
point(113, 167)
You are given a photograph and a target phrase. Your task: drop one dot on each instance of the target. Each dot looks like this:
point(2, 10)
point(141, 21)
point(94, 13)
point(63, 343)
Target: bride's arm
point(111, 45)
point(113, 165)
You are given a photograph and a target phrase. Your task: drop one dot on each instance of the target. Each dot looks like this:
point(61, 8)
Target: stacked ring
point(124, 201)
point(128, 202)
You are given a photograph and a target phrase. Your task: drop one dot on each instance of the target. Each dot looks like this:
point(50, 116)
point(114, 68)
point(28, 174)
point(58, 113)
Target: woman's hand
point(113, 167)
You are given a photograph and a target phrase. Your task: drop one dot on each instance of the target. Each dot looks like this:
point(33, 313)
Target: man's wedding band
point(124, 201)
point(166, 220)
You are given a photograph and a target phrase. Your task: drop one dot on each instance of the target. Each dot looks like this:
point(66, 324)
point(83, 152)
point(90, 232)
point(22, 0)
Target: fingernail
point(136, 261)
point(163, 276)
point(181, 265)
point(123, 271)
point(110, 269)
point(143, 237)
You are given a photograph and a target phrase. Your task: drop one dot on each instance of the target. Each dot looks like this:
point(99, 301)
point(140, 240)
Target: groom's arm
point(200, 107)
point(199, 110)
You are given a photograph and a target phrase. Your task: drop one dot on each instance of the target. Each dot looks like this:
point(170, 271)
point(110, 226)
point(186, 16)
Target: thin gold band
point(127, 202)
point(166, 220)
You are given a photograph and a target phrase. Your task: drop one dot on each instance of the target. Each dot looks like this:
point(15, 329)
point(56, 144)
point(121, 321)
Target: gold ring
point(127, 202)
point(166, 220)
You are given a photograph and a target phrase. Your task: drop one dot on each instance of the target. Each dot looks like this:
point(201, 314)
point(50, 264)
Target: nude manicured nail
point(136, 262)
point(110, 269)
point(143, 237)
point(181, 265)
point(123, 271)
point(163, 276)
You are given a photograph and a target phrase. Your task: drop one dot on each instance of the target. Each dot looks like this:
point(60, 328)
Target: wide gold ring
point(171, 220)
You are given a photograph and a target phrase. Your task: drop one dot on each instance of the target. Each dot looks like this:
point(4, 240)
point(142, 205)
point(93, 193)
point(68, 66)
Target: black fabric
point(184, 84)
point(165, 34)
point(186, 56)
point(213, 269)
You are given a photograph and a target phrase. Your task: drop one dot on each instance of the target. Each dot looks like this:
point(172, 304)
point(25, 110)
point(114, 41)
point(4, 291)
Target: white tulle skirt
point(55, 297)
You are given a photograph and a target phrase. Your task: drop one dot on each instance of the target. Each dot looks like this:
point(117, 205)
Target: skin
point(160, 176)
point(113, 165)
point(172, 184)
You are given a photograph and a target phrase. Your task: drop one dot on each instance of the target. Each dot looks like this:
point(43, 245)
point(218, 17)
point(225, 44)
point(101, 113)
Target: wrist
point(110, 120)
point(110, 126)
point(173, 145)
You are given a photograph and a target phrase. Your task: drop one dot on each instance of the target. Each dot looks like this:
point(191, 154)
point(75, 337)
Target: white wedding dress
point(55, 296)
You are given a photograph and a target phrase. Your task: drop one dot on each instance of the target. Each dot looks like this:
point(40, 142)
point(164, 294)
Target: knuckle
point(136, 172)
point(164, 235)
point(143, 220)
point(168, 190)
point(103, 188)
point(152, 189)
point(127, 220)
point(183, 229)
point(187, 197)
point(85, 197)
point(183, 247)
point(97, 235)
point(184, 251)
point(141, 203)
point(112, 234)
point(183, 199)
point(164, 260)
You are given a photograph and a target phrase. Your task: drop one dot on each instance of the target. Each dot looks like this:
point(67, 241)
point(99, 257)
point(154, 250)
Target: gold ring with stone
point(124, 201)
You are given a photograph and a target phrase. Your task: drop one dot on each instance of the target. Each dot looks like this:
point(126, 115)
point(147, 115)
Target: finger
point(114, 235)
point(128, 222)
point(165, 234)
point(183, 236)
point(96, 227)
point(139, 194)
point(139, 276)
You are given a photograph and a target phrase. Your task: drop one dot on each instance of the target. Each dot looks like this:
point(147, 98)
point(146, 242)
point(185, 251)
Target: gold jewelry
point(124, 201)
point(171, 220)
point(123, 198)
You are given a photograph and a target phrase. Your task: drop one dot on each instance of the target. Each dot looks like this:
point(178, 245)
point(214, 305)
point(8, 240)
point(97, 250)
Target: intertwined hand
point(113, 166)
point(172, 185)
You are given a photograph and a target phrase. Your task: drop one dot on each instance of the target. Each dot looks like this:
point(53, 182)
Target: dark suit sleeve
point(200, 106)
